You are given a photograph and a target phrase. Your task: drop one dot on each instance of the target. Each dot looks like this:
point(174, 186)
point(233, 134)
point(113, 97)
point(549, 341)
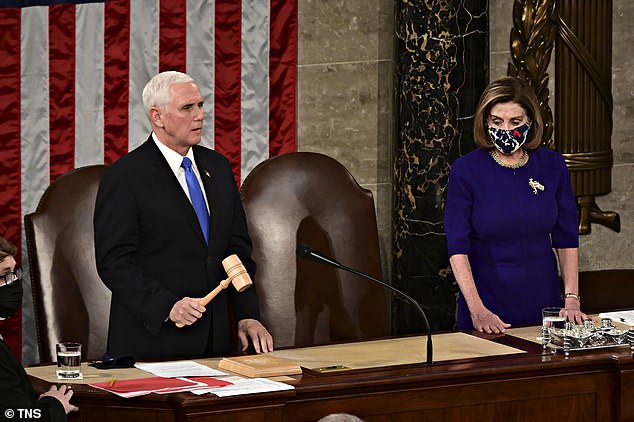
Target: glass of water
point(554, 317)
point(68, 360)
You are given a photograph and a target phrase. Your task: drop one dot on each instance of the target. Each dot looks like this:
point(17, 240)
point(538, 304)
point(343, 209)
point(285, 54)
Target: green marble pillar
point(441, 71)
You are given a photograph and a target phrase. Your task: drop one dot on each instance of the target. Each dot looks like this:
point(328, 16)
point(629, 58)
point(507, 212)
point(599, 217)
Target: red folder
point(141, 386)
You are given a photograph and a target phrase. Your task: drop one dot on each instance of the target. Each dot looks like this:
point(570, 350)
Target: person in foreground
point(16, 390)
point(509, 203)
point(151, 249)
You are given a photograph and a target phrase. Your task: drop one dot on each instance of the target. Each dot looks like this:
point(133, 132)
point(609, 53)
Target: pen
point(112, 381)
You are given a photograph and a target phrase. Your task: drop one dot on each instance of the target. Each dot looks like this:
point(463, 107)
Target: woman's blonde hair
point(505, 90)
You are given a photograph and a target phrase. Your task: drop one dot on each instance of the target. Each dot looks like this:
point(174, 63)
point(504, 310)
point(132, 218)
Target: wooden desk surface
point(514, 382)
point(359, 355)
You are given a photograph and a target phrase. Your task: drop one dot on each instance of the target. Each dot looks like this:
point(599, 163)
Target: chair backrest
point(70, 301)
point(606, 290)
point(309, 198)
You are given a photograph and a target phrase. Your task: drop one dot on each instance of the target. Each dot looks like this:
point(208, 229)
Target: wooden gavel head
point(236, 273)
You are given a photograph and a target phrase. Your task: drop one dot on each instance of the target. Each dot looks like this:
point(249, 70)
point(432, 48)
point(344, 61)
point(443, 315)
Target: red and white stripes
point(71, 78)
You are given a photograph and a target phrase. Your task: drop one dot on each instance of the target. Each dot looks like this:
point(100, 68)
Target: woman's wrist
point(572, 304)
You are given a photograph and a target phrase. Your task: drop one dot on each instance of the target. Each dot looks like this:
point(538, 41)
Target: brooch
point(535, 185)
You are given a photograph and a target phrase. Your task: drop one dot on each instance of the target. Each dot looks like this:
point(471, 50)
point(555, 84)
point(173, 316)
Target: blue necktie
point(196, 195)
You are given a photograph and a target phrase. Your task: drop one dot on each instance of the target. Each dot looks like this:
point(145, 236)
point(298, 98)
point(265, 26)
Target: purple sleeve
point(458, 208)
point(565, 233)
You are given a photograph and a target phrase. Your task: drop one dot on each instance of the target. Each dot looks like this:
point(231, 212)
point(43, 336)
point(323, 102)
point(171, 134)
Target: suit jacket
point(16, 390)
point(151, 252)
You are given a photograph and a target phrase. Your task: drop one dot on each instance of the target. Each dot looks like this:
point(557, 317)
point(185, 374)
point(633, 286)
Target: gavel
point(236, 275)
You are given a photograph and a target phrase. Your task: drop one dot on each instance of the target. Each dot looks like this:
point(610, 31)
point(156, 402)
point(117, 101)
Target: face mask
point(10, 299)
point(509, 141)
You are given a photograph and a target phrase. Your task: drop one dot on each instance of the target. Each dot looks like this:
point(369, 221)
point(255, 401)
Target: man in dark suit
point(16, 390)
point(150, 248)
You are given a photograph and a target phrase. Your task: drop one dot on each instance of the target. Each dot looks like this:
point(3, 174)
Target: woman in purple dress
point(509, 204)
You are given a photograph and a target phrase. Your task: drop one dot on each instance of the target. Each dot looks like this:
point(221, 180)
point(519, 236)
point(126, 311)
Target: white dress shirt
point(175, 160)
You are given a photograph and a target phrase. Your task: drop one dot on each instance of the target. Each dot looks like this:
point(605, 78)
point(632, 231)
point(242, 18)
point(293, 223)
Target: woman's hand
point(63, 394)
point(486, 321)
point(573, 311)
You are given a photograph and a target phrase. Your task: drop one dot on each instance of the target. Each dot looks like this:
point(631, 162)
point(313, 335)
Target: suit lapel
point(174, 193)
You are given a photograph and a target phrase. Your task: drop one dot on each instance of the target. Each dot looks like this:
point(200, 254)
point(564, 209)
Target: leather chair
point(606, 290)
point(309, 198)
point(70, 301)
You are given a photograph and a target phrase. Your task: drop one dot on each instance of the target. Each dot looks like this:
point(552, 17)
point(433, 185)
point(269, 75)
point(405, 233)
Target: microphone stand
point(307, 252)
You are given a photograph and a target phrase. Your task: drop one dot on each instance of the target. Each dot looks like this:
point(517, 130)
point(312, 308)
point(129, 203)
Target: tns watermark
point(22, 413)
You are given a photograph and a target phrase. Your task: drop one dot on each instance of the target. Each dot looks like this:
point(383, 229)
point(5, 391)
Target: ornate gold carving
point(532, 39)
point(593, 160)
point(583, 89)
point(576, 47)
point(583, 104)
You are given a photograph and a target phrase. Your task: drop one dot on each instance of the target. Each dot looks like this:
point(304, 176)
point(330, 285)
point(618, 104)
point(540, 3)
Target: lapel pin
point(535, 185)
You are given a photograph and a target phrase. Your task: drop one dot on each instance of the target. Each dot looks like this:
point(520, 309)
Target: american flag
point(71, 75)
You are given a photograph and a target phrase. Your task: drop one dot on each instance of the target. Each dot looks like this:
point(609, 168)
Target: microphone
point(307, 252)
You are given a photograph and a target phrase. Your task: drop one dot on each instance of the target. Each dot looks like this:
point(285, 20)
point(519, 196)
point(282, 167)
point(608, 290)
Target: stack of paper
point(626, 317)
point(180, 368)
point(241, 386)
point(179, 376)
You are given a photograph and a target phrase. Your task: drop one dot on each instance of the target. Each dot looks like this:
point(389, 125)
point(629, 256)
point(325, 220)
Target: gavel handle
point(205, 300)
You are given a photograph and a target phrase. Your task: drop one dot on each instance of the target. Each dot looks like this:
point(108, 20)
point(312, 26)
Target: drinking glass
point(554, 317)
point(68, 360)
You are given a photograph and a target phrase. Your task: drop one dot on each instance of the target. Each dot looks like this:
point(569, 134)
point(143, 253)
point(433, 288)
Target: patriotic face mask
point(509, 141)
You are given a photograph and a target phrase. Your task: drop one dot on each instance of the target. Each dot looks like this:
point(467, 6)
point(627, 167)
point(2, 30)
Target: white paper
point(182, 368)
point(245, 386)
point(197, 385)
point(626, 317)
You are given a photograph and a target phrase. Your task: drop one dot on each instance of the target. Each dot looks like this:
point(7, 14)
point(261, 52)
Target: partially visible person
point(166, 215)
point(509, 203)
point(11, 288)
point(16, 390)
point(340, 417)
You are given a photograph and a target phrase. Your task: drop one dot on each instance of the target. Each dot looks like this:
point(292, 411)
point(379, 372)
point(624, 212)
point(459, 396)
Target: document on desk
point(159, 385)
point(181, 368)
point(241, 386)
point(626, 317)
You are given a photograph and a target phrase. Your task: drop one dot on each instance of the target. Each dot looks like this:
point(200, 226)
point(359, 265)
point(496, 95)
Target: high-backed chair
point(310, 198)
point(606, 290)
point(70, 301)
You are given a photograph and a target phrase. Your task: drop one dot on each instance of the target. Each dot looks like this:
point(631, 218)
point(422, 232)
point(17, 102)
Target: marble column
point(441, 71)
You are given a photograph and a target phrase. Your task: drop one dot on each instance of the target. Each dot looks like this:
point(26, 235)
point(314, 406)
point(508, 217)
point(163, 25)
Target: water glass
point(68, 360)
point(554, 317)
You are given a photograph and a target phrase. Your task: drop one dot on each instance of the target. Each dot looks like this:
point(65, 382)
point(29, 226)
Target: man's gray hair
point(156, 92)
point(340, 417)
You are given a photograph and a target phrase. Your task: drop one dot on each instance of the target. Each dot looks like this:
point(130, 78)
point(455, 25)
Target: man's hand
point(253, 329)
point(186, 311)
